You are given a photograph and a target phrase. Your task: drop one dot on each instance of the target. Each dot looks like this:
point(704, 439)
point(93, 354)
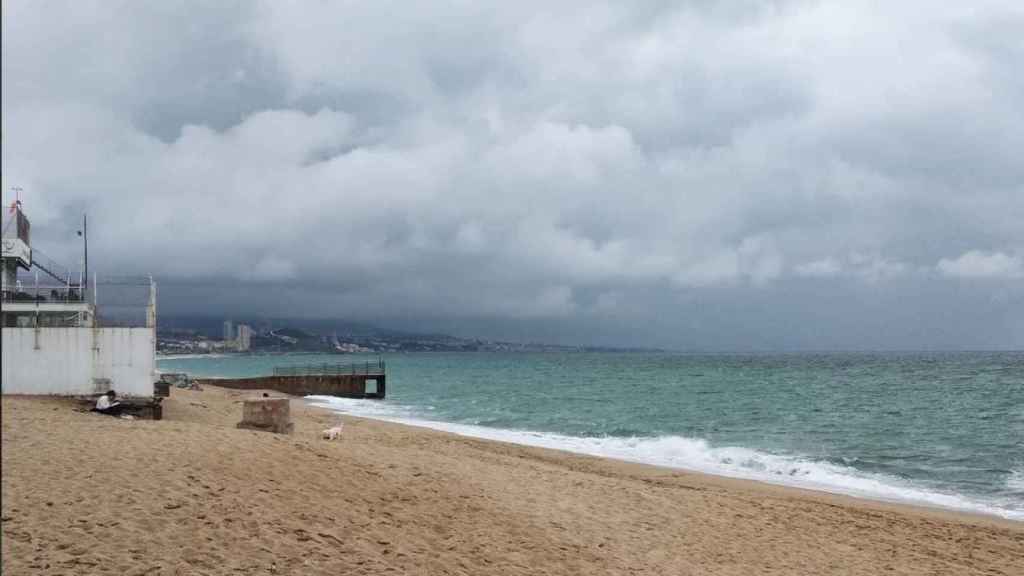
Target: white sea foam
point(697, 455)
point(1015, 481)
point(187, 356)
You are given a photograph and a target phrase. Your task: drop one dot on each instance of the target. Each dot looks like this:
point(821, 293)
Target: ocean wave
point(1015, 481)
point(187, 356)
point(698, 455)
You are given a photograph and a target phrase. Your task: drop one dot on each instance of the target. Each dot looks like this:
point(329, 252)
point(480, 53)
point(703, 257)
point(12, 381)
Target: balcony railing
point(367, 368)
point(44, 294)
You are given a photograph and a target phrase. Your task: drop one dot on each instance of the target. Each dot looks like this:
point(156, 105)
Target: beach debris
point(332, 433)
point(268, 414)
point(176, 379)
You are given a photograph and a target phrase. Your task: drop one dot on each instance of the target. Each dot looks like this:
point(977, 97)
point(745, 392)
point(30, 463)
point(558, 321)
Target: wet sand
point(191, 494)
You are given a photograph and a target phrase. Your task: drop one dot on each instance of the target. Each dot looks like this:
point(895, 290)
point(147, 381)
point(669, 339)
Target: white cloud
point(875, 268)
point(513, 159)
point(825, 268)
point(981, 264)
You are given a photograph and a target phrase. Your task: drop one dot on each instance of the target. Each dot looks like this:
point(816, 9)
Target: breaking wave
point(1015, 481)
point(698, 455)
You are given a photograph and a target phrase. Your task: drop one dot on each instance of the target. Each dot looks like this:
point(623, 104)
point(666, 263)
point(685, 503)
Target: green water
point(944, 429)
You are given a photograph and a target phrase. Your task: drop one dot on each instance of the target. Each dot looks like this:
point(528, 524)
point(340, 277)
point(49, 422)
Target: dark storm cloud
point(785, 174)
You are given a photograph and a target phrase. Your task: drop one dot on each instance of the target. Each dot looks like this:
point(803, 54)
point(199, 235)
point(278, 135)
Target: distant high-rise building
point(244, 337)
point(229, 330)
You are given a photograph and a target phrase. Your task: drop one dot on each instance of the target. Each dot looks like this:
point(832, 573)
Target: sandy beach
point(191, 494)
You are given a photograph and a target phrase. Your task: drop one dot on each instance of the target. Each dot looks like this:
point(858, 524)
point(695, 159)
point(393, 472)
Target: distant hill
point(213, 327)
point(295, 333)
point(327, 335)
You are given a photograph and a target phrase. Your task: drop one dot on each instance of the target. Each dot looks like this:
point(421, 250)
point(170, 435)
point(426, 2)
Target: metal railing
point(43, 293)
point(52, 268)
point(118, 301)
point(124, 301)
point(367, 368)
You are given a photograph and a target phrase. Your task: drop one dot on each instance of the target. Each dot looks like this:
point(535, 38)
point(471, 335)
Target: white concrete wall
point(74, 361)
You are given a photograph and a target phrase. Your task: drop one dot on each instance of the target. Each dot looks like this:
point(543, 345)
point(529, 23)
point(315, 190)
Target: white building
point(52, 341)
point(244, 337)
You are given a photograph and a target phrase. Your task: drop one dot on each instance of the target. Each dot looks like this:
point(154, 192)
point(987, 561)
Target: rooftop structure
point(54, 341)
point(17, 249)
point(49, 296)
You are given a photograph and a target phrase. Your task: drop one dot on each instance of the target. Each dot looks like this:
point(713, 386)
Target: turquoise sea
point(940, 429)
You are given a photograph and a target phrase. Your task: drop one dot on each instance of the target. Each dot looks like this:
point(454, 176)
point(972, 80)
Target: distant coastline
point(187, 336)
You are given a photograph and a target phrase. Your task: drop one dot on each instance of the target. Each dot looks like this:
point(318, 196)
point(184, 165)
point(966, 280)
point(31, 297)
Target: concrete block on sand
point(270, 414)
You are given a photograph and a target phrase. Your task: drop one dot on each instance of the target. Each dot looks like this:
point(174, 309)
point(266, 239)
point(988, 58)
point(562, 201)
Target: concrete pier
point(343, 385)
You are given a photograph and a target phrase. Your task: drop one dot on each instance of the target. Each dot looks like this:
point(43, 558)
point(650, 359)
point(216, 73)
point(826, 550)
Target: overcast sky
point(693, 175)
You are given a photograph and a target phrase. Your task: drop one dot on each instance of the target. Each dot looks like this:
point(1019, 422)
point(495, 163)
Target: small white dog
point(332, 433)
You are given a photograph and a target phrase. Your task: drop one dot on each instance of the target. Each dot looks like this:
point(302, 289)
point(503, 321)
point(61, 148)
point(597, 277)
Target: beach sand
point(191, 494)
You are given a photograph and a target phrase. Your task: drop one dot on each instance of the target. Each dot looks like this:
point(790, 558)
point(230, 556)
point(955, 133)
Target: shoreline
point(816, 455)
point(644, 468)
point(194, 494)
point(524, 436)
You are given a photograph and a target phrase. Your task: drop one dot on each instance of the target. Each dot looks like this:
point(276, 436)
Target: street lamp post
point(84, 233)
